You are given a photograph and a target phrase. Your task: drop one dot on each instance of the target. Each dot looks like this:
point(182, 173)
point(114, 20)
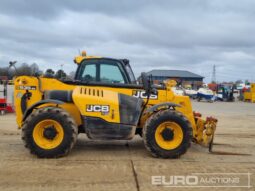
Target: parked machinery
point(4, 106)
point(226, 93)
point(249, 95)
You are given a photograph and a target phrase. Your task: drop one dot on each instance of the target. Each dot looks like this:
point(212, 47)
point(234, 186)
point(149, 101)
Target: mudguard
point(30, 109)
point(157, 106)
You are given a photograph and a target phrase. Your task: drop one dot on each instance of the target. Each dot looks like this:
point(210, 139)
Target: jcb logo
point(142, 94)
point(98, 108)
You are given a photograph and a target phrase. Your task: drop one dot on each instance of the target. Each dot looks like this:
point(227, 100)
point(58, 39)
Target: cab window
point(89, 73)
point(110, 73)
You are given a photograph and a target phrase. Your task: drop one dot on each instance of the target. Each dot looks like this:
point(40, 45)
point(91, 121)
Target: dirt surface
point(126, 165)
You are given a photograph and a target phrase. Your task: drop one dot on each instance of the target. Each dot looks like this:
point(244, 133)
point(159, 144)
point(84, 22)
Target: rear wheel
point(49, 132)
point(167, 134)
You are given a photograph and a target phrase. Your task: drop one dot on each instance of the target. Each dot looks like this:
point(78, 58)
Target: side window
point(111, 74)
point(89, 73)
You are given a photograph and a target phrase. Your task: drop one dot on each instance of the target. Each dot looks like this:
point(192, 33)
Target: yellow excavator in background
point(250, 94)
point(105, 102)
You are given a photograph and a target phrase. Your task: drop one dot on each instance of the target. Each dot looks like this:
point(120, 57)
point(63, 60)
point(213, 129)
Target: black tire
point(63, 118)
point(150, 128)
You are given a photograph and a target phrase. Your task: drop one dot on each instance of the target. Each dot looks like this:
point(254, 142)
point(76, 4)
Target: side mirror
point(12, 65)
point(145, 81)
point(147, 85)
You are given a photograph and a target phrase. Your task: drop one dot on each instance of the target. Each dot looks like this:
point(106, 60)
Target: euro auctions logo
point(174, 180)
point(220, 180)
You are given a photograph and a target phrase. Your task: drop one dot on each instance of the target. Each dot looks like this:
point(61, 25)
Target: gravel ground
point(126, 165)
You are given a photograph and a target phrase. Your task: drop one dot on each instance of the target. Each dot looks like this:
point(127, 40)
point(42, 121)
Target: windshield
point(130, 73)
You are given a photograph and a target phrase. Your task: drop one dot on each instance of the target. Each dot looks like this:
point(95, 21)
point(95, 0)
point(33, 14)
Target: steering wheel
point(87, 77)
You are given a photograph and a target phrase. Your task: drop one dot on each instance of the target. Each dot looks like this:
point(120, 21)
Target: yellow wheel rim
point(176, 135)
point(39, 134)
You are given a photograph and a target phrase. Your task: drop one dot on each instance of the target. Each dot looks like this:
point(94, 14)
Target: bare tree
point(34, 69)
point(24, 70)
point(60, 74)
point(71, 75)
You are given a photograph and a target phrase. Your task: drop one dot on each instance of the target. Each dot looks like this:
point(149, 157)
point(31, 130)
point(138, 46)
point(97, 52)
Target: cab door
point(111, 73)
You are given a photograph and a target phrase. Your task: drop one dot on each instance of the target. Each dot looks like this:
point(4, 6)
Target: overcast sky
point(172, 34)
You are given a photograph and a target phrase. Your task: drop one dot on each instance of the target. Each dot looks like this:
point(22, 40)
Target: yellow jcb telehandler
point(105, 102)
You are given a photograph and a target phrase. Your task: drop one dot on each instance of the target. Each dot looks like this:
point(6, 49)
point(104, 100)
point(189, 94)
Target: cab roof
point(84, 56)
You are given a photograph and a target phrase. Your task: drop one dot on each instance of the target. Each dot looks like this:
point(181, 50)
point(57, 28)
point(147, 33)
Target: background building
point(182, 77)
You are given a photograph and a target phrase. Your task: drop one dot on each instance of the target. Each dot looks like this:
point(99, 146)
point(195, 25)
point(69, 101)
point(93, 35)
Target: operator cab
point(105, 71)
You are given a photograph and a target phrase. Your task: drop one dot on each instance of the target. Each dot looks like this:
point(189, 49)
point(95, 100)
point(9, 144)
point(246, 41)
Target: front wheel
point(49, 132)
point(167, 134)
